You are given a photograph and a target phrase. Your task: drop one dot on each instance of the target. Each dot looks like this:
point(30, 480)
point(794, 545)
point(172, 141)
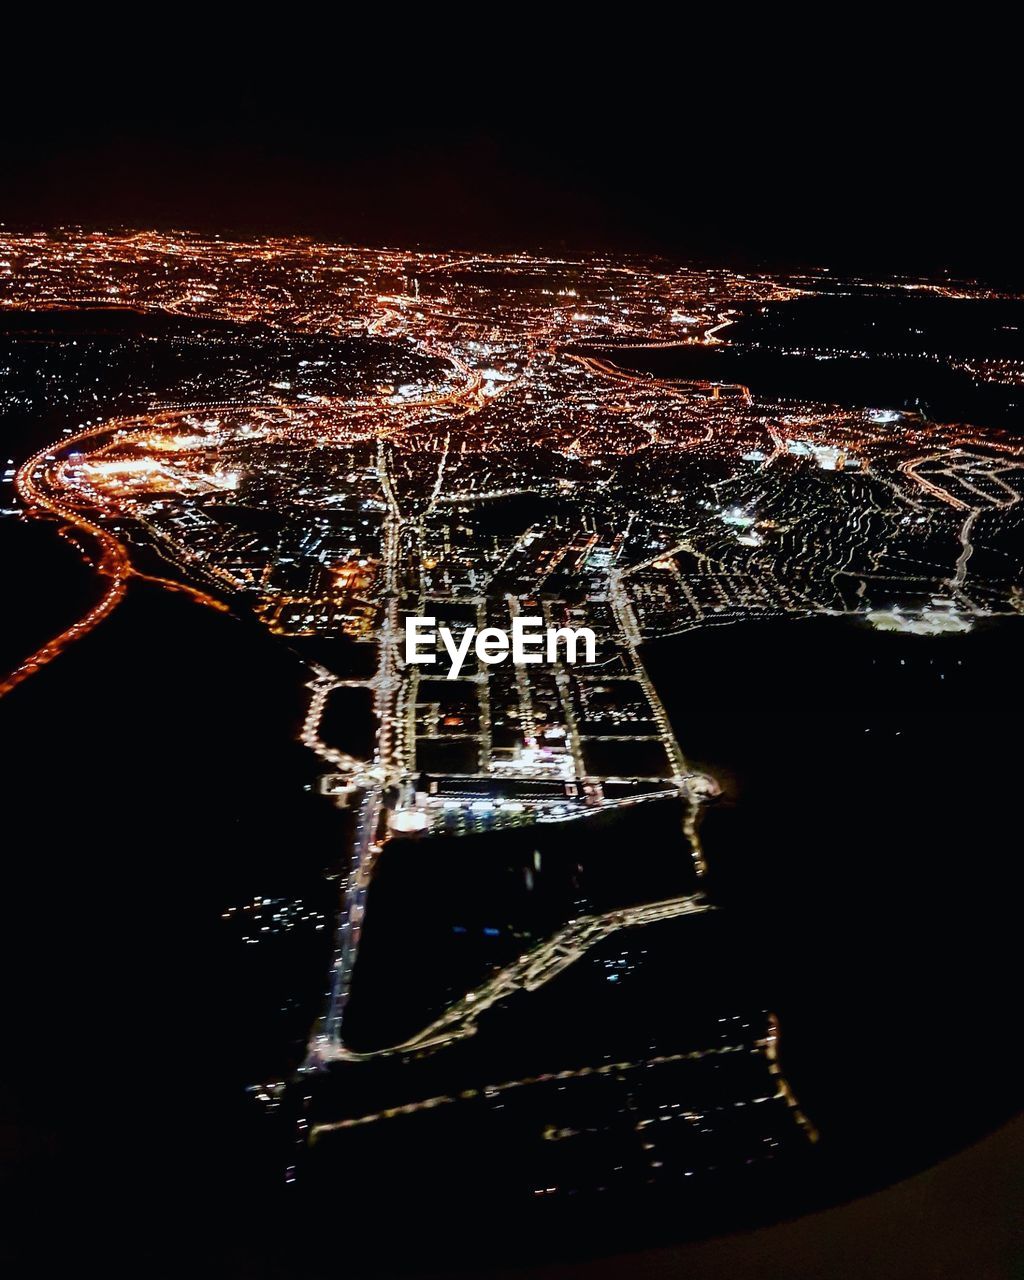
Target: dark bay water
point(152, 782)
point(895, 321)
point(866, 848)
point(878, 352)
point(46, 584)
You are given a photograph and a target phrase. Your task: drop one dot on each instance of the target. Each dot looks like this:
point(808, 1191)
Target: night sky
point(903, 158)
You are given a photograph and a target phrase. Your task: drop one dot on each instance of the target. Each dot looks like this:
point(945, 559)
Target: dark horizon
point(807, 172)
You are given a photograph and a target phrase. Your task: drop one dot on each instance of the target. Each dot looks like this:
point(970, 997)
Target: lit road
point(532, 970)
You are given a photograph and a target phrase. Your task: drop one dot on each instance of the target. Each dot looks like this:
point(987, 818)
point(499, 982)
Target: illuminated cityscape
point(323, 441)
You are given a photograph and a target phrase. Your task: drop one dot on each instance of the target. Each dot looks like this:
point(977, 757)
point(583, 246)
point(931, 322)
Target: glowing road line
point(532, 970)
